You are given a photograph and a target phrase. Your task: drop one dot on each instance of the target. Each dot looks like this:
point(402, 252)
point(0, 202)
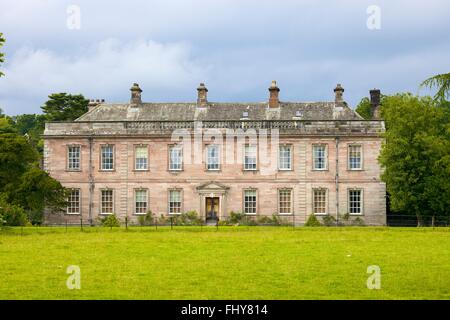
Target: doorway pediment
point(212, 186)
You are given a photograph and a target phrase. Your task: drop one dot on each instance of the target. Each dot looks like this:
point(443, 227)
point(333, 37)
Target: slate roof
point(220, 111)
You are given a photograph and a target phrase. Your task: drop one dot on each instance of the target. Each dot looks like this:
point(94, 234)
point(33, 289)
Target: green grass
point(232, 263)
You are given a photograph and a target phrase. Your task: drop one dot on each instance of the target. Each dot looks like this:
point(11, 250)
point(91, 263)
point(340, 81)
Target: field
point(231, 263)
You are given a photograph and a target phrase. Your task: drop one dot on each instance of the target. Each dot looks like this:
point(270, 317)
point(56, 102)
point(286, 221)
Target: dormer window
point(298, 113)
point(245, 114)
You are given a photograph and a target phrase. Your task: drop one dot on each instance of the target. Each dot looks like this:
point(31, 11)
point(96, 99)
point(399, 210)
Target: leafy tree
point(7, 125)
point(37, 190)
point(32, 126)
point(442, 83)
point(23, 184)
point(416, 155)
point(2, 55)
point(364, 107)
point(64, 107)
point(16, 157)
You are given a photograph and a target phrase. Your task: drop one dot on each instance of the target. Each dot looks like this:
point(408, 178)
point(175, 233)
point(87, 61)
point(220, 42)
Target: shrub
point(264, 220)
point(146, 219)
point(358, 221)
point(236, 217)
point(35, 217)
point(329, 220)
point(110, 221)
point(312, 221)
point(189, 218)
point(12, 215)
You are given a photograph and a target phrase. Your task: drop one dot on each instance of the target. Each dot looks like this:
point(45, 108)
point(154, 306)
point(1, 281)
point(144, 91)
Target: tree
point(32, 126)
point(416, 155)
point(37, 190)
point(23, 184)
point(2, 55)
point(442, 83)
point(363, 108)
point(64, 107)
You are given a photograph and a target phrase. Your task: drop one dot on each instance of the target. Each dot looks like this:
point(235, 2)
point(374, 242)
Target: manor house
point(289, 159)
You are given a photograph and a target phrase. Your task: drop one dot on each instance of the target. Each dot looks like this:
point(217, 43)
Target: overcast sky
point(235, 46)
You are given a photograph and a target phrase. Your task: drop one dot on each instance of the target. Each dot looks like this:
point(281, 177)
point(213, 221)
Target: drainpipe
point(91, 181)
point(337, 180)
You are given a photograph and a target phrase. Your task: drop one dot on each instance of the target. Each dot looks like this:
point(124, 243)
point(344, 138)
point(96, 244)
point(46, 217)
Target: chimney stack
point(202, 95)
point(94, 102)
point(375, 99)
point(338, 93)
point(274, 102)
point(135, 94)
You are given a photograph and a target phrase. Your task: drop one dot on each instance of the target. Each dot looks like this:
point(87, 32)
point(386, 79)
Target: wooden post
point(171, 223)
point(126, 223)
point(156, 224)
point(81, 223)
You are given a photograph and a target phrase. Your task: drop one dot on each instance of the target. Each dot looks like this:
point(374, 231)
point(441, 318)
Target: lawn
point(231, 263)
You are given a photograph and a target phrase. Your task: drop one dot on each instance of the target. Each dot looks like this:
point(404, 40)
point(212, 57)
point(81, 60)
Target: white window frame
point(69, 153)
point(325, 201)
point(245, 202)
point(349, 163)
point(169, 207)
point(146, 201)
point(171, 164)
point(325, 160)
point(291, 202)
point(101, 201)
point(69, 201)
point(136, 147)
point(250, 166)
point(289, 146)
point(113, 151)
point(208, 158)
point(361, 200)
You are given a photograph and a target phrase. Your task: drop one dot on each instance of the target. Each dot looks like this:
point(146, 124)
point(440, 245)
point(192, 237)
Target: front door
point(212, 208)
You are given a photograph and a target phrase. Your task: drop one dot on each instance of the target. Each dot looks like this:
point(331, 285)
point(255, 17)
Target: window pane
point(107, 158)
point(175, 158)
point(141, 154)
point(73, 158)
point(250, 157)
point(285, 201)
point(354, 199)
point(354, 157)
point(319, 153)
point(73, 202)
point(250, 201)
point(107, 201)
point(141, 201)
point(320, 201)
point(175, 201)
point(285, 157)
point(213, 157)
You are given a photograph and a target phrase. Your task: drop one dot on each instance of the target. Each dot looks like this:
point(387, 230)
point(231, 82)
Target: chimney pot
point(274, 101)
point(339, 93)
point(202, 95)
point(135, 94)
point(375, 99)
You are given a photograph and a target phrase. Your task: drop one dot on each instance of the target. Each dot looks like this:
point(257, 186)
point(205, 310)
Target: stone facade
point(299, 126)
